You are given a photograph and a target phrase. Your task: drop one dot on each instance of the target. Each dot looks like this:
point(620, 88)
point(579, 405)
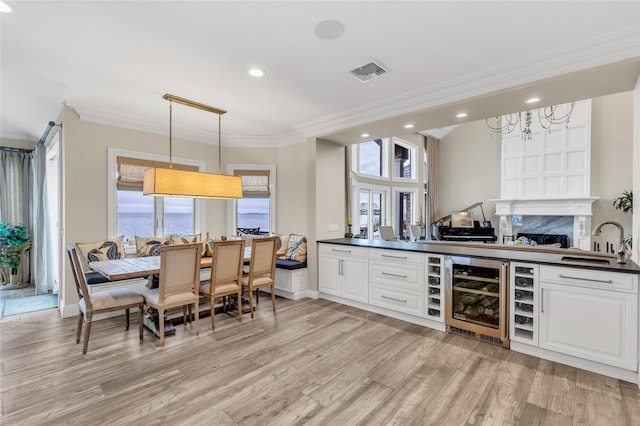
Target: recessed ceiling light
point(461, 115)
point(329, 30)
point(256, 72)
point(533, 100)
point(4, 7)
point(408, 126)
point(365, 135)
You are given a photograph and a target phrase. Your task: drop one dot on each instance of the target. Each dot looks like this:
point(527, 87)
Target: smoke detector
point(368, 72)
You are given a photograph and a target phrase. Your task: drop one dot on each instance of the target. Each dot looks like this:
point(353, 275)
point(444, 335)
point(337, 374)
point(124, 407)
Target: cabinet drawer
point(406, 301)
point(403, 276)
point(342, 250)
point(604, 280)
point(396, 256)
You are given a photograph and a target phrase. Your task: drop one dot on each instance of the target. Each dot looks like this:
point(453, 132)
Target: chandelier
point(547, 117)
point(181, 183)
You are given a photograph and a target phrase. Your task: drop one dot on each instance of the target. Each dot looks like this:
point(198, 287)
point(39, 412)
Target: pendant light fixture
point(180, 183)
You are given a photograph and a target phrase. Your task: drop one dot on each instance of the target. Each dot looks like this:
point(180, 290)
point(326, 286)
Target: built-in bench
point(291, 279)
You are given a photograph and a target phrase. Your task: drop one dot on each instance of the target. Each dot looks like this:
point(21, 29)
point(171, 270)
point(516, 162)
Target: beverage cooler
point(476, 298)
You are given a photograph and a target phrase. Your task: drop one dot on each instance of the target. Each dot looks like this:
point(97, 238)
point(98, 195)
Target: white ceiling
point(112, 61)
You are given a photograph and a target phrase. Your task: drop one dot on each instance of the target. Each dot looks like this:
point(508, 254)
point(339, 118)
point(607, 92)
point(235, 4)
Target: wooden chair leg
point(273, 297)
point(126, 319)
point(239, 304)
point(213, 313)
point(161, 325)
point(257, 297)
point(87, 332)
point(250, 302)
point(79, 331)
point(197, 315)
point(141, 321)
point(184, 314)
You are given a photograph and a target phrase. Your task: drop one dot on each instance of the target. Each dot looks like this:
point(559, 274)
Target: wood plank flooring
point(313, 362)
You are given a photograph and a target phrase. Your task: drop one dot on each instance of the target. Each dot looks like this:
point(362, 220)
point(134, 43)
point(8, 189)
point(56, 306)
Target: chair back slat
point(228, 259)
point(78, 275)
point(263, 256)
point(179, 269)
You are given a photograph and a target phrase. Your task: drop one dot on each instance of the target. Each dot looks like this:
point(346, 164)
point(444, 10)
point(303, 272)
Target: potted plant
point(16, 240)
point(625, 203)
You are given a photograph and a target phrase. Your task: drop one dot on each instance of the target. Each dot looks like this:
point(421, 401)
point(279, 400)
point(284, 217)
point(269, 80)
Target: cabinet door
point(355, 280)
point(329, 278)
point(593, 324)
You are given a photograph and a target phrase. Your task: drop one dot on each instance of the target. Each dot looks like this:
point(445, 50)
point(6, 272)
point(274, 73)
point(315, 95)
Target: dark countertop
point(573, 258)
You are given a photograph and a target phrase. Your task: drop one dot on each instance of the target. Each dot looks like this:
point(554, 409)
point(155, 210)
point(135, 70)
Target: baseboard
point(584, 364)
point(292, 295)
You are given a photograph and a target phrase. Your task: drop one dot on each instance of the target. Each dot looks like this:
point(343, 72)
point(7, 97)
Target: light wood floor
point(313, 362)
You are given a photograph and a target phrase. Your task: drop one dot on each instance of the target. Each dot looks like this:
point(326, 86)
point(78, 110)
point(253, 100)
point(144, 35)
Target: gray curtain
point(431, 145)
point(42, 247)
point(16, 182)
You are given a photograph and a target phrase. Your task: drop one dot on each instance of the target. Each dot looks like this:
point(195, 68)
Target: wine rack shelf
point(435, 287)
point(524, 300)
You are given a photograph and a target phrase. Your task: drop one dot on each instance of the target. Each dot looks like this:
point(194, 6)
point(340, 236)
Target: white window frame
point(199, 212)
point(413, 150)
point(355, 163)
point(415, 209)
point(272, 195)
point(355, 207)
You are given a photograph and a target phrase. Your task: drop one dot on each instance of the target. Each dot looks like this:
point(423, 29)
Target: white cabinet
point(397, 281)
point(523, 303)
point(590, 314)
point(343, 272)
point(434, 304)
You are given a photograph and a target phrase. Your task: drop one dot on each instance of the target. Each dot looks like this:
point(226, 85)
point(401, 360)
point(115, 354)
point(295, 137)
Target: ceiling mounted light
point(409, 126)
point(461, 115)
point(180, 183)
point(329, 30)
point(546, 116)
point(365, 135)
point(256, 72)
point(532, 100)
point(4, 7)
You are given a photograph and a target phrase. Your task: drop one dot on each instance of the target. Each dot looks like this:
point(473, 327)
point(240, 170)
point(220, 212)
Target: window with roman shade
point(255, 183)
point(131, 171)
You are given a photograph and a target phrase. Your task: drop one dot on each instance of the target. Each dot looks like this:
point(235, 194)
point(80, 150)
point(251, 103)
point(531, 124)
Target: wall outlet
point(333, 227)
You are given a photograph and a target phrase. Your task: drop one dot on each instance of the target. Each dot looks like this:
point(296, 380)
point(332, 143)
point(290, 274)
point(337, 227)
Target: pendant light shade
point(181, 183)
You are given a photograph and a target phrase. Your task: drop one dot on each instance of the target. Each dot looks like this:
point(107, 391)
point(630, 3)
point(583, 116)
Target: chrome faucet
point(621, 252)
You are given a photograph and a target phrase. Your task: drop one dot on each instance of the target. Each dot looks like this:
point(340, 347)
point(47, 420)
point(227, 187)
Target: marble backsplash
point(562, 225)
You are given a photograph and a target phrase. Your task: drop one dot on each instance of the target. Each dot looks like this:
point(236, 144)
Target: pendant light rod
point(219, 143)
point(170, 134)
point(194, 104)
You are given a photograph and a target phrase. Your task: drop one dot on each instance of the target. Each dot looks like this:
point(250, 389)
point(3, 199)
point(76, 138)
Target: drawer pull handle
point(394, 299)
point(395, 275)
point(341, 251)
point(394, 257)
point(585, 279)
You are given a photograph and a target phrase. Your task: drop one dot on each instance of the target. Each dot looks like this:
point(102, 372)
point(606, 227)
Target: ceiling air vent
point(368, 72)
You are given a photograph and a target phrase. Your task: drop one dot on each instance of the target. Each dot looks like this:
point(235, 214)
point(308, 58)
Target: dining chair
point(387, 234)
point(226, 275)
point(100, 302)
point(262, 269)
point(179, 283)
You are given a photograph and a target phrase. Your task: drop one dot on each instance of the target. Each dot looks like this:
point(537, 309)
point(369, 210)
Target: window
point(372, 214)
point(404, 211)
point(257, 207)
point(404, 160)
point(371, 158)
point(131, 213)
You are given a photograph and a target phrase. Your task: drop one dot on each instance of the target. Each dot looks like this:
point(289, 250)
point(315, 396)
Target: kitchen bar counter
point(575, 258)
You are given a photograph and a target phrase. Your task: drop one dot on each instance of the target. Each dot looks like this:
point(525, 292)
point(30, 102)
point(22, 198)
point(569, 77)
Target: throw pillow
point(150, 246)
point(188, 239)
point(297, 248)
point(100, 250)
point(282, 246)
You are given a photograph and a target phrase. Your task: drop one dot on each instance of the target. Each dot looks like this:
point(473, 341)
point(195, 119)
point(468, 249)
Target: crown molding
point(604, 49)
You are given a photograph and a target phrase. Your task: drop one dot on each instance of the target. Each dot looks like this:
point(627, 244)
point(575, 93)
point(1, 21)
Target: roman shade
point(255, 183)
point(131, 171)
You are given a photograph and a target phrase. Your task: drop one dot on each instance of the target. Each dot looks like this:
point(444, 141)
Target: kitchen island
point(571, 306)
